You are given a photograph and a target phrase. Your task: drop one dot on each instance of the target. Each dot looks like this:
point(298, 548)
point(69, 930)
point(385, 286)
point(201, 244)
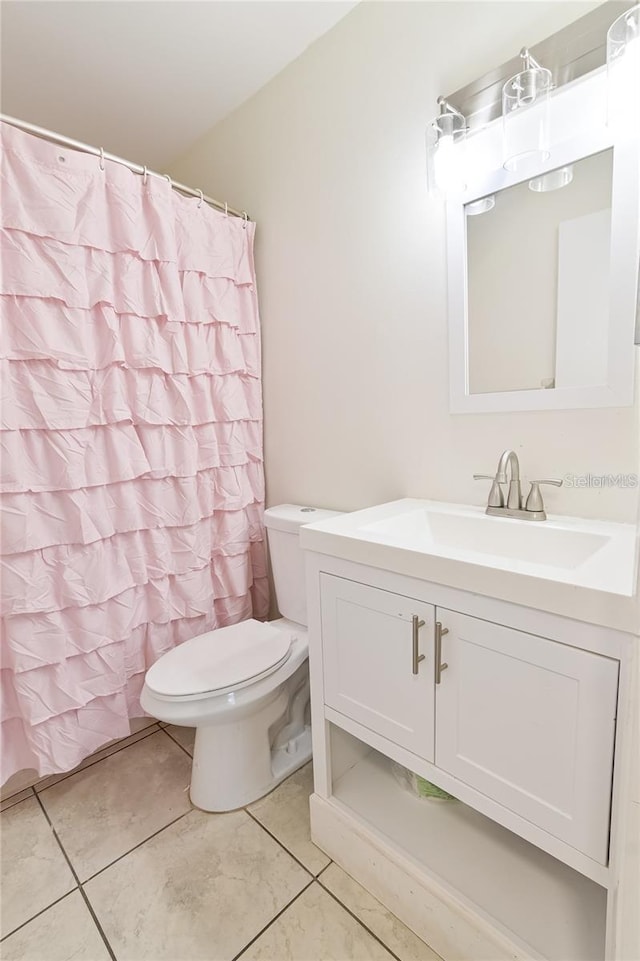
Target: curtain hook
point(226, 209)
point(169, 179)
point(245, 217)
point(101, 158)
point(201, 195)
point(144, 176)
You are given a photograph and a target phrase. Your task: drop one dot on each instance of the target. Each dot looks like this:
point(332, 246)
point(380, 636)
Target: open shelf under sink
point(559, 914)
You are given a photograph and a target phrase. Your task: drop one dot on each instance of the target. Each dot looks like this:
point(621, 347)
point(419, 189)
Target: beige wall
point(329, 158)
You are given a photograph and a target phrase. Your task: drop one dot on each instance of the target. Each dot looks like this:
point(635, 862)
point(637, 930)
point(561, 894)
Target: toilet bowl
point(245, 688)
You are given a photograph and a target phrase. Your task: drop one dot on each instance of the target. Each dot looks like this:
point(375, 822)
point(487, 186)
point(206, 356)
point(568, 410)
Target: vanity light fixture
point(554, 180)
point(623, 70)
point(526, 131)
point(446, 139)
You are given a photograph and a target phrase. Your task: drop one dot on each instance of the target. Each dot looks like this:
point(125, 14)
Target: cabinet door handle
point(439, 666)
point(416, 624)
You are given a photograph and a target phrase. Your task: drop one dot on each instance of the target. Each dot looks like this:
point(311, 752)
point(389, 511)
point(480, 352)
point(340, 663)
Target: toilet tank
point(283, 525)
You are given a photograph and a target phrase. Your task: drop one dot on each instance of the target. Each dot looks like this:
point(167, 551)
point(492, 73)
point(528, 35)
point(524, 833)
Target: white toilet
point(245, 688)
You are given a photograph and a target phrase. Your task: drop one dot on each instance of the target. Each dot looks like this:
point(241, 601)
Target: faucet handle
point(496, 497)
point(534, 500)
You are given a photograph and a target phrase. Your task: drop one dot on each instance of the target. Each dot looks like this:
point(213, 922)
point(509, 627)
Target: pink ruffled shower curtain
point(131, 442)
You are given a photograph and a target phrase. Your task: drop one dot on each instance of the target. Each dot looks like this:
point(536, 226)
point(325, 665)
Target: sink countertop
point(589, 575)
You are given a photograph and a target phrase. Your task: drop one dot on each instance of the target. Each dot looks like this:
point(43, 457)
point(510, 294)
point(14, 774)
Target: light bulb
point(525, 115)
point(554, 180)
point(482, 206)
point(446, 138)
point(447, 165)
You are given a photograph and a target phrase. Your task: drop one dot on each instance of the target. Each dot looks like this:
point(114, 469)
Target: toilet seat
point(224, 660)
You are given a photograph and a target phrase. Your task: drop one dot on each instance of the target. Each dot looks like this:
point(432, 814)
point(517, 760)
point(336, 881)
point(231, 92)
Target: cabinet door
point(368, 650)
point(530, 723)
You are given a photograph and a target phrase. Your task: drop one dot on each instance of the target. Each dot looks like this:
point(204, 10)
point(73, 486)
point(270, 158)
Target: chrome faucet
point(533, 510)
point(509, 459)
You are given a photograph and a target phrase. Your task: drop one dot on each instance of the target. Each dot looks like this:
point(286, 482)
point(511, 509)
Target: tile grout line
point(280, 843)
point(15, 795)
point(93, 914)
point(325, 868)
point(60, 844)
point(386, 947)
point(77, 879)
point(86, 767)
point(237, 956)
point(138, 845)
point(175, 741)
point(38, 913)
point(360, 921)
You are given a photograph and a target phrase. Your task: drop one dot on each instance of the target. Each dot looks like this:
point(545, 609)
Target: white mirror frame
point(575, 107)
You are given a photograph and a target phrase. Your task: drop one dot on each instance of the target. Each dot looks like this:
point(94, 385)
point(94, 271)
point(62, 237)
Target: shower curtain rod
point(103, 155)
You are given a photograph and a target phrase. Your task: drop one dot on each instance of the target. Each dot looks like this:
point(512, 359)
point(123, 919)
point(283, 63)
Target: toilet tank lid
point(291, 517)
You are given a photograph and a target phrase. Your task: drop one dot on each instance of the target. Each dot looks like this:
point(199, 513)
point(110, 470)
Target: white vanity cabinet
point(531, 723)
point(376, 666)
point(527, 721)
point(517, 720)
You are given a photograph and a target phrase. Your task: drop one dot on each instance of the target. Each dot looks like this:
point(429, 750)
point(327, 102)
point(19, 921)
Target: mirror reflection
point(538, 280)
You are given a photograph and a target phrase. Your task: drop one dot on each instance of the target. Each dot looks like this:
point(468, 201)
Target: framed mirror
point(543, 280)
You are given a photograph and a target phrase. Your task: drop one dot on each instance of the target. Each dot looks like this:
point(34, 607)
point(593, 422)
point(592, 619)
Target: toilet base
point(285, 760)
point(239, 761)
point(219, 797)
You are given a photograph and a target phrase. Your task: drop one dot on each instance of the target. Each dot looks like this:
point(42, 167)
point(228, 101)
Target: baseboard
point(452, 929)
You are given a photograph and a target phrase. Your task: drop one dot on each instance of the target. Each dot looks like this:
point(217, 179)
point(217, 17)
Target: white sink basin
point(567, 565)
point(539, 542)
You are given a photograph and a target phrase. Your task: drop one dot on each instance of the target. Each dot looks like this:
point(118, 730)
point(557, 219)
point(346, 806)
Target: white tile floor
point(113, 862)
